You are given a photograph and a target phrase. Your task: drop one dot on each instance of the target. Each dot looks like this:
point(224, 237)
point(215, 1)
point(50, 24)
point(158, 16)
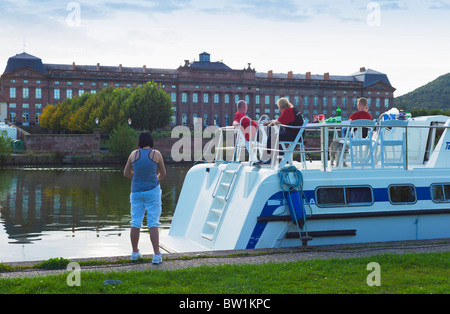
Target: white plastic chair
point(289, 148)
point(393, 136)
point(360, 148)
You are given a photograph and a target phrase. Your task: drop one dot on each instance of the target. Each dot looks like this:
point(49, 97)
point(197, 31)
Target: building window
point(227, 98)
point(184, 97)
point(258, 99)
point(173, 96)
point(38, 93)
point(194, 118)
point(386, 103)
point(25, 117)
point(69, 94)
point(402, 194)
point(344, 196)
point(306, 100)
point(12, 92)
point(316, 101)
point(38, 114)
point(205, 98)
point(12, 105)
point(81, 92)
point(57, 94)
point(195, 97)
point(334, 101)
point(267, 99)
point(26, 106)
point(247, 99)
point(227, 120)
point(440, 193)
point(216, 98)
point(12, 116)
point(26, 93)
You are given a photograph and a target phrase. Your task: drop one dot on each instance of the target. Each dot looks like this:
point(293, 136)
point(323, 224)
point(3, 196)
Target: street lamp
point(129, 122)
point(96, 122)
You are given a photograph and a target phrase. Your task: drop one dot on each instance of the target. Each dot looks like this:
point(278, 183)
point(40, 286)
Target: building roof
point(25, 60)
point(206, 64)
point(370, 77)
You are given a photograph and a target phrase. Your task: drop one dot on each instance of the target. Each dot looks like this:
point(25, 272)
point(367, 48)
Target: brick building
point(199, 89)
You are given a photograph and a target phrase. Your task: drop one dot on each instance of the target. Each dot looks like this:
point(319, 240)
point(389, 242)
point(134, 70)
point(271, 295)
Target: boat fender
point(296, 208)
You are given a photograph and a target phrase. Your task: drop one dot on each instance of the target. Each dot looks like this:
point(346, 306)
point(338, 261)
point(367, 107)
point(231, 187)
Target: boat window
point(440, 193)
point(402, 194)
point(344, 196)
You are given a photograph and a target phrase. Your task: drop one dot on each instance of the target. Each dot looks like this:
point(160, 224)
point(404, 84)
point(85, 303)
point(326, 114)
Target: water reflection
point(75, 211)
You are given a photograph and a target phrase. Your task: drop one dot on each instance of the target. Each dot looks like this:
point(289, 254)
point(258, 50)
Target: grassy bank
point(409, 273)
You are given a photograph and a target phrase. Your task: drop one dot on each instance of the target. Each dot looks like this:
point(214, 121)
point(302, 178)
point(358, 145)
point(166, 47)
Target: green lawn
point(409, 273)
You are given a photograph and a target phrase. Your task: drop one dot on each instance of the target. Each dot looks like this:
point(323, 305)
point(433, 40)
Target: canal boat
point(392, 185)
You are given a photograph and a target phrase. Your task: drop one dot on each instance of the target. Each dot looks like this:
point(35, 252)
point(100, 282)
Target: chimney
point(144, 69)
point(98, 67)
point(73, 66)
point(308, 75)
point(120, 68)
point(290, 75)
point(363, 69)
point(270, 74)
point(326, 76)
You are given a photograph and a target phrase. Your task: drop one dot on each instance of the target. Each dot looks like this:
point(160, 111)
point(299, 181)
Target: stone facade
point(63, 144)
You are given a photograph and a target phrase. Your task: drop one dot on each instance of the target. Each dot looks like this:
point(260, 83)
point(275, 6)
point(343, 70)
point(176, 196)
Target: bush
point(122, 141)
point(6, 146)
point(53, 263)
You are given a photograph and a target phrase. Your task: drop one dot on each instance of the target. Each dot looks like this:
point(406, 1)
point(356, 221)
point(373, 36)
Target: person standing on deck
point(145, 166)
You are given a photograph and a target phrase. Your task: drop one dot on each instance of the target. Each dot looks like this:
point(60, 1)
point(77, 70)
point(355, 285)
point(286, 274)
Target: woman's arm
point(161, 166)
point(128, 171)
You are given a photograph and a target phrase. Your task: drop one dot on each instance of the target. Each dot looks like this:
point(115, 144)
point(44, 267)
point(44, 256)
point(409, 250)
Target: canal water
point(73, 212)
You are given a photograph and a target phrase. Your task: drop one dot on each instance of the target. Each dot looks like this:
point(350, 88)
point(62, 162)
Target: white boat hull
point(255, 214)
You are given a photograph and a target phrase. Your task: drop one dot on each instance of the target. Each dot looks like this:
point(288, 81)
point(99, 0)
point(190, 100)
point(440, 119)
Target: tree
point(122, 141)
point(149, 107)
point(6, 146)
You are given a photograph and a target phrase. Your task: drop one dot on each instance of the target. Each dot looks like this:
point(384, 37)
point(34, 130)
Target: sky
point(407, 40)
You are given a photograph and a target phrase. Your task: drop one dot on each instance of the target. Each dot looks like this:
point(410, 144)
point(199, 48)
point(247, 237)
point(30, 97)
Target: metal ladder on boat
point(222, 192)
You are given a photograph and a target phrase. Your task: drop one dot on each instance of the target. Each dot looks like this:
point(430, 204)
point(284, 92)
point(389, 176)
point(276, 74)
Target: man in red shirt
point(245, 124)
point(362, 114)
point(362, 111)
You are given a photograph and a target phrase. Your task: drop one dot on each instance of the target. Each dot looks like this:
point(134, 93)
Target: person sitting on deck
point(245, 124)
point(290, 116)
point(362, 113)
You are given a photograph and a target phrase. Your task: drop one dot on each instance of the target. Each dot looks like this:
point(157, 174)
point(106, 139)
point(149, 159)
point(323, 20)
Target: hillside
point(434, 95)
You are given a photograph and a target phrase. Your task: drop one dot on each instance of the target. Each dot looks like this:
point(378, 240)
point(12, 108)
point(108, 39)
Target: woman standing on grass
point(146, 168)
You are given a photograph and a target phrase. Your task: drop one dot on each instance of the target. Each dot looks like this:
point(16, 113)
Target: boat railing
point(392, 143)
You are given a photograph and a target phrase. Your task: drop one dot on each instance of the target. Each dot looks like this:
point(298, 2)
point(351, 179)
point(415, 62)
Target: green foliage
point(149, 107)
point(419, 112)
point(54, 263)
point(6, 146)
point(434, 95)
point(122, 141)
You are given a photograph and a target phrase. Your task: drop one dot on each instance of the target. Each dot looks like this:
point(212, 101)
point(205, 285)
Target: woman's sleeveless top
point(145, 170)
